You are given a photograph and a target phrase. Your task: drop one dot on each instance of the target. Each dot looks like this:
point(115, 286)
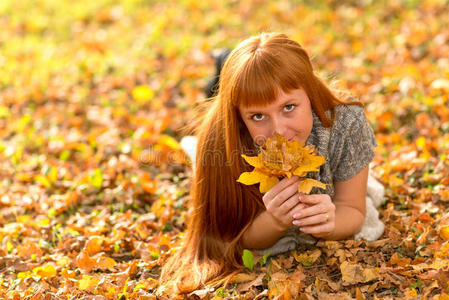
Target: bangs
point(263, 77)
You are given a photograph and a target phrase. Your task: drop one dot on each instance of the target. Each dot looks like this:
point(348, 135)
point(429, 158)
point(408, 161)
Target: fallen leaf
point(88, 283)
point(396, 260)
point(105, 263)
point(355, 273)
point(93, 245)
point(444, 232)
point(84, 262)
point(45, 271)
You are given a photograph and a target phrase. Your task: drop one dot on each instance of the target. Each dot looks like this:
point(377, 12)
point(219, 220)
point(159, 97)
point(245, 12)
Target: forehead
point(281, 99)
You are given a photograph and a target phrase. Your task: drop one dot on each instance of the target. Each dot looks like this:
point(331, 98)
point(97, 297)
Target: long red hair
point(221, 209)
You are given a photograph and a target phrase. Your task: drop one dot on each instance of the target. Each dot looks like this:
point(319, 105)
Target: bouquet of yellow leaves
point(282, 158)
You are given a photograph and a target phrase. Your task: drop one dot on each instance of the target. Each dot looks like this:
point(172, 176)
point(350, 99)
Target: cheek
point(303, 121)
point(257, 133)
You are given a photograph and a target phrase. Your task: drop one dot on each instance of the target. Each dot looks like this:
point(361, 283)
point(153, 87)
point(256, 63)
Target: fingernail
point(297, 222)
point(297, 215)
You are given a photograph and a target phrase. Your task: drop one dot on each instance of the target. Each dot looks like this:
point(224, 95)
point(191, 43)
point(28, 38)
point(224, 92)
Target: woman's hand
point(318, 217)
point(281, 199)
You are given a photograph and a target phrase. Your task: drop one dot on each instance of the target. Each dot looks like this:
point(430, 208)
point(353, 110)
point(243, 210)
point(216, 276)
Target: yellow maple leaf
point(306, 185)
point(46, 271)
point(88, 283)
point(282, 158)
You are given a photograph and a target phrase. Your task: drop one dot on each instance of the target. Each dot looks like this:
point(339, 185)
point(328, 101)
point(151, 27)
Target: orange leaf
point(396, 260)
point(444, 232)
point(106, 263)
point(83, 261)
point(93, 245)
point(147, 184)
point(395, 181)
point(67, 273)
point(23, 177)
point(28, 249)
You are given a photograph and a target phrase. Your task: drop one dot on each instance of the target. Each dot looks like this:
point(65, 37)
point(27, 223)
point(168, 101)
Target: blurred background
point(93, 95)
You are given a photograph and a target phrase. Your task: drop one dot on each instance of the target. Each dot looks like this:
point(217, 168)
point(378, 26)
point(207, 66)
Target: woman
point(268, 85)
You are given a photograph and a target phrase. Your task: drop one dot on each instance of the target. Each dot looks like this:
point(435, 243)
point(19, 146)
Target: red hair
point(221, 209)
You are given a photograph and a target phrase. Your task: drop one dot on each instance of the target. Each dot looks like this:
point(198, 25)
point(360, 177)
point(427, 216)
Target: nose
point(278, 126)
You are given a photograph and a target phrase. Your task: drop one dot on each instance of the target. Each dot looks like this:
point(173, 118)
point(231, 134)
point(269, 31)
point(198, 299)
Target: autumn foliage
point(93, 182)
point(283, 158)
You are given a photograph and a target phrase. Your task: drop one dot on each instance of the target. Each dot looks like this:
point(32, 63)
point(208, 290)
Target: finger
point(285, 194)
point(299, 207)
point(285, 182)
point(318, 229)
point(313, 199)
point(313, 220)
point(288, 205)
point(311, 211)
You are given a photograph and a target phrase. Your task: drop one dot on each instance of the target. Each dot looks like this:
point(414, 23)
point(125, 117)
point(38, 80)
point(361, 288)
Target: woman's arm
point(263, 232)
point(346, 212)
point(269, 225)
point(350, 202)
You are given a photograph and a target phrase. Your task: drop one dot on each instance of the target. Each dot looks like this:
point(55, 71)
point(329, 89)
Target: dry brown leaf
point(355, 273)
point(307, 258)
point(242, 277)
point(256, 282)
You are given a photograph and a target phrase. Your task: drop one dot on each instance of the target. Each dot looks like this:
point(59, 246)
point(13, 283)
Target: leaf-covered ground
point(93, 188)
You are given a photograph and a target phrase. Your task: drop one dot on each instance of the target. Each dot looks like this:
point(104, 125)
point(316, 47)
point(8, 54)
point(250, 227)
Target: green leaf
point(64, 155)
point(248, 259)
point(264, 258)
point(416, 284)
point(97, 178)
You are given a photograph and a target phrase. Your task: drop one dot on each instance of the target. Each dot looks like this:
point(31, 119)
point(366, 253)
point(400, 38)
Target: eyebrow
point(283, 104)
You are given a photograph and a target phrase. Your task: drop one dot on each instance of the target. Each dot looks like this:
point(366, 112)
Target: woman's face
point(290, 115)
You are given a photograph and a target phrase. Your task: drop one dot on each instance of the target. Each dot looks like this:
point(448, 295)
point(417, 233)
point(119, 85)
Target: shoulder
point(352, 142)
point(348, 117)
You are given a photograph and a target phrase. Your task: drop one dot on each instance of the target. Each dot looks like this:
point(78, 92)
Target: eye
point(289, 107)
point(257, 117)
